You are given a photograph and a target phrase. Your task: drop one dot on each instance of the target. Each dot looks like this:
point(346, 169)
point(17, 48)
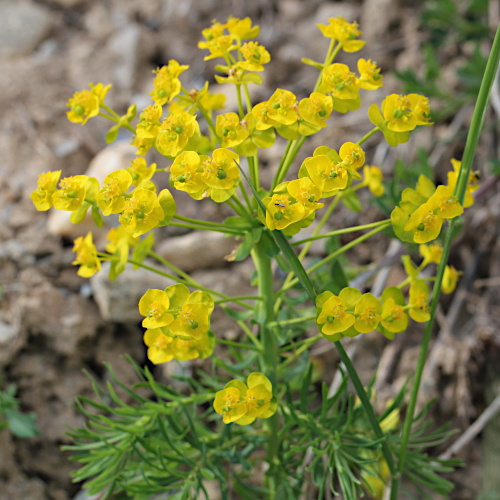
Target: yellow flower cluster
point(420, 214)
point(351, 313)
point(400, 114)
point(86, 256)
point(166, 83)
point(86, 104)
point(177, 322)
point(243, 403)
point(344, 33)
point(203, 177)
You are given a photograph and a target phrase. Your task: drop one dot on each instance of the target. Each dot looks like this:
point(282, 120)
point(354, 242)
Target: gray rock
point(23, 25)
point(198, 250)
point(118, 301)
point(374, 25)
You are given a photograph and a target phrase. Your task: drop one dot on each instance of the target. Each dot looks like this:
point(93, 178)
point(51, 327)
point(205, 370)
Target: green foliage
point(21, 425)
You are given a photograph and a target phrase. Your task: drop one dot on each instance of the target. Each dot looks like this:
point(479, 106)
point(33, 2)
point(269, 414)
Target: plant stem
point(330, 56)
point(199, 222)
point(289, 161)
point(368, 135)
point(240, 297)
point(460, 190)
point(245, 196)
point(282, 162)
point(209, 121)
point(269, 346)
point(206, 228)
point(343, 231)
point(285, 322)
point(240, 102)
point(236, 344)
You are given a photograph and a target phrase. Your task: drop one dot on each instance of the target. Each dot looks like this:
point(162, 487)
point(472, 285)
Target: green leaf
point(77, 216)
point(249, 240)
point(22, 425)
point(268, 245)
point(351, 200)
point(252, 78)
point(96, 215)
point(168, 205)
point(112, 134)
point(315, 64)
point(142, 249)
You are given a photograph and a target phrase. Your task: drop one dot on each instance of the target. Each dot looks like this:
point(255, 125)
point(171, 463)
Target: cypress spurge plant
point(254, 423)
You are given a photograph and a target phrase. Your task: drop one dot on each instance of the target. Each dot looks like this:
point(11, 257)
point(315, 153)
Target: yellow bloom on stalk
point(368, 313)
point(306, 193)
point(282, 107)
point(328, 175)
point(147, 128)
point(71, 193)
point(175, 132)
point(336, 313)
point(116, 236)
point(264, 121)
point(369, 75)
point(393, 317)
point(404, 113)
point(450, 279)
point(373, 178)
point(154, 305)
point(166, 83)
point(282, 210)
point(419, 301)
point(142, 212)
point(220, 172)
point(215, 31)
point(191, 322)
point(85, 104)
point(316, 109)
point(140, 171)
point(472, 183)
point(218, 47)
point(340, 82)
point(243, 403)
point(353, 157)
point(47, 186)
point(231, 131)
point(110, 198)
point(256, 55)
point(431, 253)
point(163, 348)
point(186, 172)
point(212, 102)
point(344, 32)
point(86, 256)
point(242, 29)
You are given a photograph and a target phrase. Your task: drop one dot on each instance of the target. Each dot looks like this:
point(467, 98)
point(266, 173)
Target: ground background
point(54, 324)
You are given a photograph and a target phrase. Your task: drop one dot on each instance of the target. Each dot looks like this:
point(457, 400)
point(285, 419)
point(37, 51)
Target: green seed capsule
point(421, 227)
point(139, 215)
point(276, 105)
point(162, 93)
point(322, 113)
point(221, 174)
point(330, 319)
point(278, 216)
point(180, 178)
point(79, 109)
point(179, 129)
point(194, 325)
point(224, 132)
point(397, 113)
point(72, 194)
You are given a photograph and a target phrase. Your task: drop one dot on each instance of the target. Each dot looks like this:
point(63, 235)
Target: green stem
point(282, 162)
point(239, 208)
point(199, 222)
point(269, 346)
point(240, 297)
point(247, 96)
point(460, 190)
point(343, 231)
point(240, 102)
point(289, 161)
point(330, 56)
point(285, 322)
point(245, 196)
point(206, 228)
point(368, 135)
point(209, 121)
point(232, 343)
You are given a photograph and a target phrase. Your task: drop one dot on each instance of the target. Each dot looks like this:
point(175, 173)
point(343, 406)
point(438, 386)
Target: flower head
point(140, 171)
point(86, 256)
point(255, 56)
point(472, 183)
point(154, 305)
point(142, 212)
point(166, 83)
point(316, 109)
point(175, 132)
point(327, 174)
point(71, 193)
point(431, 253)
point(368, 313)
point(282, 210)
point(419, 301)
point(450, 279)
point(231, 130)
point(344, 32)
point(242, 29)
point(147, 128)
point(47, 186)
point(282, 107)
point(336, 313)
point(369, 75)
point(110, 197)
point(306, 193)
point(339, 81)
point(220, 171)
point(84, 105)
point(393, 317)
point(373, 179)
point(186, 172)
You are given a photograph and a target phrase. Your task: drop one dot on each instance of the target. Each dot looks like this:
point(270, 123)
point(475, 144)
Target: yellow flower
point(186, 173)
point(261, 112)
point(218, 47)
point(316, 109)
point(110, 197)
point(243, 403)
point(140, 171)
point(369, 75)
point(154, 305)
point(192, 322)
point(160, 346)
point(212, 102)
point(282, 210)
point(71, 193)
point(282, 107)
point(344, 32)
point(47, 186)
point(393, 318)
point(231, 130)
point(373, 179)
point(175, 132)
point(445, 203)
point(100, 90)
point(336, 313)
point(192, 349)
point(340, 82)
point(472, 183)
point(306, 193)
point(353, 157)
point(166, 83)
point(397, 113)
point(142, 212)
point(256, 55)
point(86, 256)
point(148, 128)
point(215, 31)
point(420, 109)
point(220, 173)
point(450, 279)
point(419, 301)
point(242, 28)
point(431, 254)
point(328, 175)
point(116, 235)
point(368, 313)
point(425, 224)
point(84, 105)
